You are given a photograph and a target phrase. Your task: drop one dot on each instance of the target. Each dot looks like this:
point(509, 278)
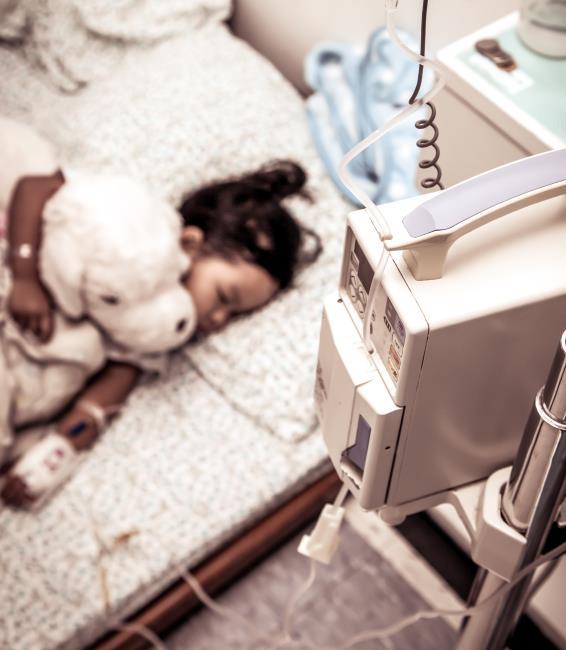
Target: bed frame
point(226, 565)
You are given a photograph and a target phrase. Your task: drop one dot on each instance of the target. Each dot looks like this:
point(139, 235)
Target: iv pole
point(537, 484)
point(531, 500)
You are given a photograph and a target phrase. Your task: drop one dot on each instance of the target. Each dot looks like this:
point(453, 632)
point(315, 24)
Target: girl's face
point(222, 288)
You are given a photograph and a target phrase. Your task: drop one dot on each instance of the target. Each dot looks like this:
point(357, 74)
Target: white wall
point(285, 30)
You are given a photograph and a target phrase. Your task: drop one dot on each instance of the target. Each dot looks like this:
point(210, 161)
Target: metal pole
point(538, 447)
point(531, 500)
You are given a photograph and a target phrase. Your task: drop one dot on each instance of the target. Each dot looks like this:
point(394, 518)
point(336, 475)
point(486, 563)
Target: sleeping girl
point(244, 247)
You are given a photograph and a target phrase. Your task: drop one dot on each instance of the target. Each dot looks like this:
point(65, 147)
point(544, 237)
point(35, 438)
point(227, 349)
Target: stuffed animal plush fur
point(111, 259)
point(110, 250)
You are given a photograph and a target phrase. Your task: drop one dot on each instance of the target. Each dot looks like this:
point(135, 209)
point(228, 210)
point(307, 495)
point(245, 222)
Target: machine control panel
point(387, 330)
point(360, 274)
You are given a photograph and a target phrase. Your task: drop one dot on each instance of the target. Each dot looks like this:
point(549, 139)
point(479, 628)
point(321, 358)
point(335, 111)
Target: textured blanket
point(212, 447)
point(215, 119)
point(78, 41)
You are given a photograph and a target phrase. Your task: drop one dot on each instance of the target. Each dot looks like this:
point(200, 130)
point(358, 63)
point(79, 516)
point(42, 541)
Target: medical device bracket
point(509, 515)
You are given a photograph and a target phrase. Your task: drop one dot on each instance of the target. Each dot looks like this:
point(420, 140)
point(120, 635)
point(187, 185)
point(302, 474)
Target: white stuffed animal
point(110, 250)
point(112, 260)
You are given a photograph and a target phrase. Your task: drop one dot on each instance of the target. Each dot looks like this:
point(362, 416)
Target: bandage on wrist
point(46, 466)
point(98, 413)
point(23, 251)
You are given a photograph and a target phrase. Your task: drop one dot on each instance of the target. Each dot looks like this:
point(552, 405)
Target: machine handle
point(435, 225)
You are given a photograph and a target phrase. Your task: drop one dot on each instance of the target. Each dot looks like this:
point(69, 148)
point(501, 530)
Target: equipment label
point(392, 352)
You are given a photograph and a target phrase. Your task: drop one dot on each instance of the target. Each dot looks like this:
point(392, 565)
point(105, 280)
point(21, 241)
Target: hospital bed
point(211, 466)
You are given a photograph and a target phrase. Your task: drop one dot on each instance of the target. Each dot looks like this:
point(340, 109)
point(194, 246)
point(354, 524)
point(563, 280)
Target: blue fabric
point(355, 92)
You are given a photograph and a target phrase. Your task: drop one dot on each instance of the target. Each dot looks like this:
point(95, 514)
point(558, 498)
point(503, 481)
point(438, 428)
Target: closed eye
point(222, 297)
point(111, 300)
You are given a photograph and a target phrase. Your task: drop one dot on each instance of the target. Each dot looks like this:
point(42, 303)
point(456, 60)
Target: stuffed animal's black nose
point(181, 325)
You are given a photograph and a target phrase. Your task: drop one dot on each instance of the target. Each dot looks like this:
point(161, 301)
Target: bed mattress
point(230, 432)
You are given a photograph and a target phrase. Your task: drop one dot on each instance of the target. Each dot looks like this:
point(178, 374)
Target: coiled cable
point(380, 222)
point(424, 143)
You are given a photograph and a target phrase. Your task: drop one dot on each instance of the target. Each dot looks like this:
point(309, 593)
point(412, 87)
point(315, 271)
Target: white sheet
point(223, 439)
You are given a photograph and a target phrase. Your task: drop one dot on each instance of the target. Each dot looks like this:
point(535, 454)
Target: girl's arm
point(109, 388)
point(107, 391)
point(28, 302)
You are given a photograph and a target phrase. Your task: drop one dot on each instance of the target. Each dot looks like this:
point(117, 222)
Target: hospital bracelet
point(23, 251)
point(98, 413)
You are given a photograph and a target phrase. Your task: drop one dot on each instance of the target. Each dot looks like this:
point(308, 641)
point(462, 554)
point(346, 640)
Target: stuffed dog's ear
point(62, 271)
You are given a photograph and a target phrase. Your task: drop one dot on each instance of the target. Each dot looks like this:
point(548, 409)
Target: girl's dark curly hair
point(244, 216)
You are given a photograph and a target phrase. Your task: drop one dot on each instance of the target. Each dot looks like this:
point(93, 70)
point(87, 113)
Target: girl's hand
point(30, 307)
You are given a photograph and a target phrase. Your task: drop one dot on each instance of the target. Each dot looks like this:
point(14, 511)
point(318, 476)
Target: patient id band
point(23, 251)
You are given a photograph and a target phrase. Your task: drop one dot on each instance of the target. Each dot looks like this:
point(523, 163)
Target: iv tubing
point(364, 199)
point(301, 591)
point(379, 633)
point(359, 638)
point(383, 227)
point(374, 288)
point(390, 630)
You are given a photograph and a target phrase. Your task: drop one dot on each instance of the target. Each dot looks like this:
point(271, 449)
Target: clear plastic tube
point(302, 590)
point(221, 610)
point(345, 177)
point(341, 496)
point(292, 605)
point(390, 630)
point(395, 628)
point(376, 283)
point(277, 639)
point(141, 630)
point(385, 233)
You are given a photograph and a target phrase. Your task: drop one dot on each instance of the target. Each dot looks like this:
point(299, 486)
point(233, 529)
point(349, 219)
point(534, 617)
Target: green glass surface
point(545, 99)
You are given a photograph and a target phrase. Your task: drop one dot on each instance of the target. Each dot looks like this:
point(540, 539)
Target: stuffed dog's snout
point(165, 321)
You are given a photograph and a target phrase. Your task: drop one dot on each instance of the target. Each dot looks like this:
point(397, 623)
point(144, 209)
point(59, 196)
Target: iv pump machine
point(430, 358)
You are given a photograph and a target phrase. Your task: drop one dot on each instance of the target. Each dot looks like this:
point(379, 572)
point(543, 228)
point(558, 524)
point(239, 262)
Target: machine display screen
point(365, 270)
